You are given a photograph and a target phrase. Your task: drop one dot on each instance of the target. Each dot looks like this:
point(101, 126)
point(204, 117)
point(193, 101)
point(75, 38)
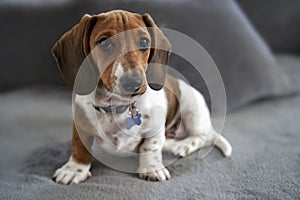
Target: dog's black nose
point(131, 83)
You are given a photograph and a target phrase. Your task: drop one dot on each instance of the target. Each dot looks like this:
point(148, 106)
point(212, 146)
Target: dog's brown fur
point(75, 45)
point(79, 152)
point(128, 57)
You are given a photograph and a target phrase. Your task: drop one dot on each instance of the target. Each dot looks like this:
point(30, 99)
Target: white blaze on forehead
point(118, 70)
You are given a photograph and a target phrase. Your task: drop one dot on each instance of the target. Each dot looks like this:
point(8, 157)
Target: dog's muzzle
point(131, 83)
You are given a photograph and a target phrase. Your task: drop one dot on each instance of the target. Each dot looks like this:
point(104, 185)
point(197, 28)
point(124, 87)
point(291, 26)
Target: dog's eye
point(105, 44)
point(144, 44)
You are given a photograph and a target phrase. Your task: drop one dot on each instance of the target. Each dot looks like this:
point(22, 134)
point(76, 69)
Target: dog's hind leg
point(197, 125)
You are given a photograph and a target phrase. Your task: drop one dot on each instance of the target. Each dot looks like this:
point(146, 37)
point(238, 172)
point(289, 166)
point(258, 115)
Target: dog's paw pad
point(72, 173)
point(154, 173)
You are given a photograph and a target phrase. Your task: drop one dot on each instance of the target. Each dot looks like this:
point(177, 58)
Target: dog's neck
point(112, 103)
point(104, 98)
point(112, 109)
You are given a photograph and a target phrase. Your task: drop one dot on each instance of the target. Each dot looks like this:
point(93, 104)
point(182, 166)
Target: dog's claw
point(72, 173)
point(154, 174)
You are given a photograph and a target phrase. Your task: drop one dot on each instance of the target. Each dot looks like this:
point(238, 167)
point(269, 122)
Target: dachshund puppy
point(134, 104)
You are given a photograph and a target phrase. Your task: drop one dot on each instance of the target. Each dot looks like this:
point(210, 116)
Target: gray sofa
point(259, 62)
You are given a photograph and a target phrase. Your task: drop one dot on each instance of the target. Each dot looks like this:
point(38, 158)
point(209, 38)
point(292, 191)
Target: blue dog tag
point(131, 121)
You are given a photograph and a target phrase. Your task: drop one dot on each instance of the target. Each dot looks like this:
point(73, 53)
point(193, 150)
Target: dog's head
point(122, 62)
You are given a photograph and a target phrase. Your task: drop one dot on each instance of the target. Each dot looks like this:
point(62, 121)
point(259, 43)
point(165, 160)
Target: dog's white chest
point(117, 138)
point(111, 130)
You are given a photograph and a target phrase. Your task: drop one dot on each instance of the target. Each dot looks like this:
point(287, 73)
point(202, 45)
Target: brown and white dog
point(125, 85)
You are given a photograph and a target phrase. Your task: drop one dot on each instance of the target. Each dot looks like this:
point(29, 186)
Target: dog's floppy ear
point(71, 50)
point(159, 55)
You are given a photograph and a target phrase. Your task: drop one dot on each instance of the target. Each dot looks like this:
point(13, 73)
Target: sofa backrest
point(278, 21)
point(29, 31)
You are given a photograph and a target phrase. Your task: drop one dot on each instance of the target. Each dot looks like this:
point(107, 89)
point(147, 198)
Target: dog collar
point(135, 115)
point(112, 109)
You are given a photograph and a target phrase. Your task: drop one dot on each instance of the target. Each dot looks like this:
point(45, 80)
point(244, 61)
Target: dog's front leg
point(150, 159)
point(77, 168)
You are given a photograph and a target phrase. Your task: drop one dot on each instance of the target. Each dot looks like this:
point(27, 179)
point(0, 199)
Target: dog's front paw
point(153, 173)
point(72, 173)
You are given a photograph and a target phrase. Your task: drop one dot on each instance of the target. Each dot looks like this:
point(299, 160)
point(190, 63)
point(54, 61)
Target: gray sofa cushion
point(247, 67)
point(264, 164)
point(278, 21)
point(290, 64)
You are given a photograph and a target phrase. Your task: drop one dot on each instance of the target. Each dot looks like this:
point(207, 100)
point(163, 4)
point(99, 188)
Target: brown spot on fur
point(99, 140)
point(193, 143)
point(187, 151)
point(173, 95)
point(79, 152)
point(154, 150)
point(145, 149)
point(146, 116)
point(79, 170)
point(155, 142)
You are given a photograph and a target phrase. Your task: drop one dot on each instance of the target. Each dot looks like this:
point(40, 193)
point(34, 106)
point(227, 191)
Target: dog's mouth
point(125, 95)
point(105, 97)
